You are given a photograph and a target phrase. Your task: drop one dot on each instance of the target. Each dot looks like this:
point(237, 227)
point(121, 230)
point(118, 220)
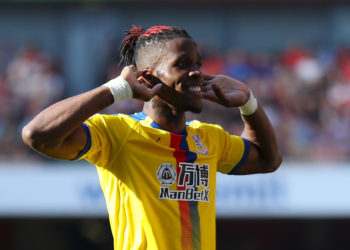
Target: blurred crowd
point(29, 82)
point(305, 92)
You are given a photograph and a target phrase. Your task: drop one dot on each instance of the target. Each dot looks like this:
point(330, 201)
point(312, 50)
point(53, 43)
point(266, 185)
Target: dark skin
point(170, 86)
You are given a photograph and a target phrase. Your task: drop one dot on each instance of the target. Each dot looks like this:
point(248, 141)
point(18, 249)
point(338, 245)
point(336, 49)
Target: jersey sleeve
point(235, 151)
point(106, 135)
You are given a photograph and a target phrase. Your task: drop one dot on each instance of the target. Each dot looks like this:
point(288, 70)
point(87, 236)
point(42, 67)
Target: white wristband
point(120, 88)
point(250, 106)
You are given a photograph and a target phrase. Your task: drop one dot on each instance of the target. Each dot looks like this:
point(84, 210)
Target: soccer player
point(156, 170)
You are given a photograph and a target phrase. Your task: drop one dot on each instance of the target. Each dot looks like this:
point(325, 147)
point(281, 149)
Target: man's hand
point(224, 90)
point(264, 155)
point(140, 88)
point(167, 94)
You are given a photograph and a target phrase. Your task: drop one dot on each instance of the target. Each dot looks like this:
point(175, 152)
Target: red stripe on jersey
point(184, 207)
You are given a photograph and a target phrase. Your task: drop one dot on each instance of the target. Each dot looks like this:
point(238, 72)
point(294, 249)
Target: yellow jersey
point(159, 186)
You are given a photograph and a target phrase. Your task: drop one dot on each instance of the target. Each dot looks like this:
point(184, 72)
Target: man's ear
point(150, 77)
point(148, 71)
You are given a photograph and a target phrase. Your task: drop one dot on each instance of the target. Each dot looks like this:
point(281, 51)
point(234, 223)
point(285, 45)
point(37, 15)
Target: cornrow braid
point(137, 37)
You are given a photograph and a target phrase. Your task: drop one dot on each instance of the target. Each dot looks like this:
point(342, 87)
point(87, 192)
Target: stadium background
point(295, 55)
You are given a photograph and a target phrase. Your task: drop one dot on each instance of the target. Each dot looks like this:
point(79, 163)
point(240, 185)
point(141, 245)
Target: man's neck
point(165, 116)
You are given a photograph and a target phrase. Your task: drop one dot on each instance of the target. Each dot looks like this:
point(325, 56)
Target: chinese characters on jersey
point(192, 182)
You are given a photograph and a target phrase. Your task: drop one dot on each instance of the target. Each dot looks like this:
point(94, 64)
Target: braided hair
point(137, 38)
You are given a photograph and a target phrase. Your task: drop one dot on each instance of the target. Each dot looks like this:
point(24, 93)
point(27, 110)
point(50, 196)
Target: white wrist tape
point(250, 106)
point(120, 88)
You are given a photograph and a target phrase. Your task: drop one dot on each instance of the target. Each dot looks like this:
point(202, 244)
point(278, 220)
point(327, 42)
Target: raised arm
point(57, 131)
point(264, 155)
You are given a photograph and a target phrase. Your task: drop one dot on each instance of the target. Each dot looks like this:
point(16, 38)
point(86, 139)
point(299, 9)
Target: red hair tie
point(155, 30)
point(135, 32)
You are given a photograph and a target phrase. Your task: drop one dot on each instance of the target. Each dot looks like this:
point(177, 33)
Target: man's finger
point(155, 89)
point(210, 95)
point(206, 88)
point(138, 73)
point(220, 94)
point(151, 79)
point(143, 81)
point(150, 92)
point(135, 70)
point(207, 77)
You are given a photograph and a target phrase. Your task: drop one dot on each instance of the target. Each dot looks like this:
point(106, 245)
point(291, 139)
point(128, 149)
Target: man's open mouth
point(195, 89)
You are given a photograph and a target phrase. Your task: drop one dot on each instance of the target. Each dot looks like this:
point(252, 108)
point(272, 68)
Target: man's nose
point(196, 73)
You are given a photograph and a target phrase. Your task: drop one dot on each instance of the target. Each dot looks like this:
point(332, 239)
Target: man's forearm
point(58, 121)
point(259, 131)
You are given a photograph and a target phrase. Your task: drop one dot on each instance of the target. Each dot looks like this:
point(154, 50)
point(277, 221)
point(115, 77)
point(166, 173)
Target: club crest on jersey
point(200, 148)
point(192, 182)
point(166, 174)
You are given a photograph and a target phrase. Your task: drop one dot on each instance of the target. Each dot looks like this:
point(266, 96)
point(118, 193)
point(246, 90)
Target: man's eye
point(184, 65)
point(198, 65)
point(181, 65)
